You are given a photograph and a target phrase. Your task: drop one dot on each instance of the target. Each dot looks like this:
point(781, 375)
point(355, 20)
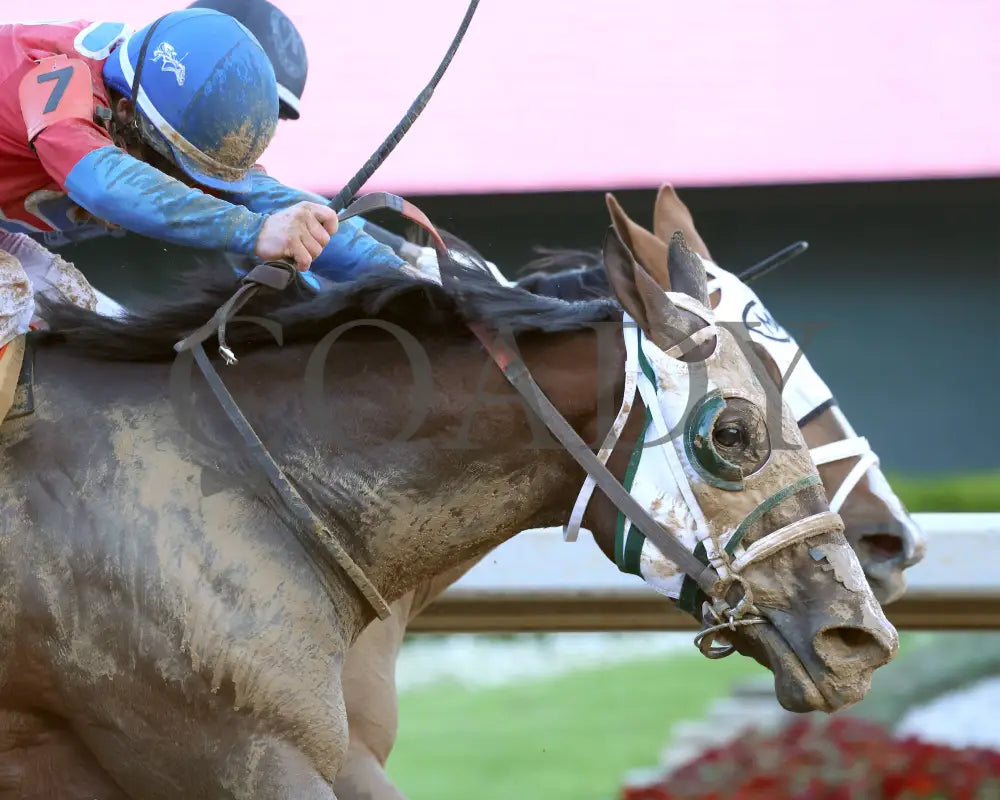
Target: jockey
point(78, 156)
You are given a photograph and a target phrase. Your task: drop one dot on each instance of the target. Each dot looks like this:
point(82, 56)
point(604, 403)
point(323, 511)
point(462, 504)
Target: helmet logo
point(169, 62)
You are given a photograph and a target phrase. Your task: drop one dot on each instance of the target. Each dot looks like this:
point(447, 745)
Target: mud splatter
point(844, 563)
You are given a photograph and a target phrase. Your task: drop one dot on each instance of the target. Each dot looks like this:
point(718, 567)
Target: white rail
point(963, 556)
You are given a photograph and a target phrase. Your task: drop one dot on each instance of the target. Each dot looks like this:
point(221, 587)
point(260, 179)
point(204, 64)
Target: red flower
point(844, 759)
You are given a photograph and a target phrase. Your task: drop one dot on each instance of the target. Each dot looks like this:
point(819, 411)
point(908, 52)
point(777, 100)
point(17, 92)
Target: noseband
point(322, 546)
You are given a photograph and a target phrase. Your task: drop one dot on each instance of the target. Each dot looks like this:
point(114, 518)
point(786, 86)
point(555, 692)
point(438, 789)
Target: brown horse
point(884, 536)
point(163, 634)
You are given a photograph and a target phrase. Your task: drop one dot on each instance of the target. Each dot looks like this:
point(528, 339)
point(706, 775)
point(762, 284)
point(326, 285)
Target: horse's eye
point(730, 435)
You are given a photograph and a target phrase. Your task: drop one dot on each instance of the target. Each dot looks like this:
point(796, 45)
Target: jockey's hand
point(298, 233)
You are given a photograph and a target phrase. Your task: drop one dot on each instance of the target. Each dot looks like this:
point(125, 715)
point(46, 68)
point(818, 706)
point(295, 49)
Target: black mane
point(471, 295)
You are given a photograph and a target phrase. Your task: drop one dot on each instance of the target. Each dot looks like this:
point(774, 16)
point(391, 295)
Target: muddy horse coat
point(175, 639)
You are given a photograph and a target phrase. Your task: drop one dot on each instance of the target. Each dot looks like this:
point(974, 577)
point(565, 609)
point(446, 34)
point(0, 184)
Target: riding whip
point(395, 136)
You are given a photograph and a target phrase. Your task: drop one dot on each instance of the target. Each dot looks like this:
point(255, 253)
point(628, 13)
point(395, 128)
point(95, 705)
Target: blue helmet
point(281, 41)
point(207, 97)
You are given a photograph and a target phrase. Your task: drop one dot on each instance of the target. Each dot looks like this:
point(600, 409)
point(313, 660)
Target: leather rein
point(323, 547)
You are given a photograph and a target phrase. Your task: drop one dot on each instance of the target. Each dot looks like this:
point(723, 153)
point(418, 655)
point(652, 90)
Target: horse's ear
point(667, 324)
point(621, 267)
point(643, 298)
point(649, 251)
point(687, 272)
point(670, 214)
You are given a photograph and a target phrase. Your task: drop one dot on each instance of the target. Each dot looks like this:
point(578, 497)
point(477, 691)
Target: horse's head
point(722, 464)
point(877, 525)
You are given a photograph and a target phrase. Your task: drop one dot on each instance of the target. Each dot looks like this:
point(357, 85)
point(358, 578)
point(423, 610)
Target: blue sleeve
point(120, 189)
point(268, 194)
point(351, 250)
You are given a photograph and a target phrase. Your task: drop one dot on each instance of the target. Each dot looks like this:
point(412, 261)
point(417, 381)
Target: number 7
point(62, 78)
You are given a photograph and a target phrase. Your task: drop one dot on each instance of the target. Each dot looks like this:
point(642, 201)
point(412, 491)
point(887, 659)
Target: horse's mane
point(470, 295)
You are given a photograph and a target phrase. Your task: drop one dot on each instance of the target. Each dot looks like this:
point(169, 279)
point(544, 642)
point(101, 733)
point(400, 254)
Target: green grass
point(565, 738)
point(973, 492)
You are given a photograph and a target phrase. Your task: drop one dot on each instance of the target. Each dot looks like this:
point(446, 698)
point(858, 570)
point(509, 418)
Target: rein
point(323, 547)
point(516, 372)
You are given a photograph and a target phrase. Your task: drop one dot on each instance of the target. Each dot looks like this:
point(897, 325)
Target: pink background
point(552, 94)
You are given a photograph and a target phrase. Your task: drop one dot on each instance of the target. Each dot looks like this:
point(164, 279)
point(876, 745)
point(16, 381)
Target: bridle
point(729, 560)
point(853, 447)
point(712, 575)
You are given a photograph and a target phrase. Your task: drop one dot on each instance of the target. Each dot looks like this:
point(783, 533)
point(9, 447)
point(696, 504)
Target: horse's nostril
point(846, 643)
point(851, 637)
point(883, 546)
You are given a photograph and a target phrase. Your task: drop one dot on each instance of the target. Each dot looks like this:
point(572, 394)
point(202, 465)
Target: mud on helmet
point(281, 41)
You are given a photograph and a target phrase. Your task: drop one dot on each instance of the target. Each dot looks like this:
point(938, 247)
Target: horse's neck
point(475, 471)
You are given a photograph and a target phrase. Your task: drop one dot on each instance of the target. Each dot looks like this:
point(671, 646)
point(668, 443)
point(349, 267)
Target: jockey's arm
point(350, 250)
point(118, 188)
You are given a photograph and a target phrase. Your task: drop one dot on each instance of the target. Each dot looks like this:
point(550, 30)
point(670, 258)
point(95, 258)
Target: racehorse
point(877, 526)
point(166, 628)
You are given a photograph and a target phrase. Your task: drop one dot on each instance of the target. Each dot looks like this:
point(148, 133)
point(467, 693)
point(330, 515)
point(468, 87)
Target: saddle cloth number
point(55, 89)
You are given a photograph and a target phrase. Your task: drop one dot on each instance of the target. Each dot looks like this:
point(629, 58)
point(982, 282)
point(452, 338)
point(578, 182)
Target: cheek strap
point(571, 530)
